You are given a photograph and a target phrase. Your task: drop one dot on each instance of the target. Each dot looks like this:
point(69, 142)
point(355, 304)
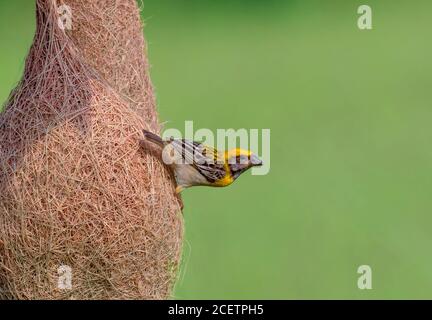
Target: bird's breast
point(187, 175)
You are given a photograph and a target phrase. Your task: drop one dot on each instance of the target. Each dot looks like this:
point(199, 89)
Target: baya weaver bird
point(195, 164)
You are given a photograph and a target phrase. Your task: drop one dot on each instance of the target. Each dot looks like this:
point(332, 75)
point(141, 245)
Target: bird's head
point(240, 160)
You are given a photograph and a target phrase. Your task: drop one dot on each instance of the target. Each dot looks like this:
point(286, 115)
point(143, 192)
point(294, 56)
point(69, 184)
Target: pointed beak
point(256, 162)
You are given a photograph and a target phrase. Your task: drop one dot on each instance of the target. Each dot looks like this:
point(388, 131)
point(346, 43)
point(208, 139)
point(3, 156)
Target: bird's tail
point(153, 138)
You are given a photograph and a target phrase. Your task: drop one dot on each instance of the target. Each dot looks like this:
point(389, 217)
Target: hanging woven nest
point(77, 193)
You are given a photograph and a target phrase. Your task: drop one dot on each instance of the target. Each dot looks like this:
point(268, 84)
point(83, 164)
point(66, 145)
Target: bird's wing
point(204, 158)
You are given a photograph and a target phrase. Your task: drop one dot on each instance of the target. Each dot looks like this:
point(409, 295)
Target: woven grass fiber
point(76, 190)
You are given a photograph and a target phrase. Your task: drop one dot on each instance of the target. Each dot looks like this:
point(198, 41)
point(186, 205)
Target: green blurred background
point(350, 115)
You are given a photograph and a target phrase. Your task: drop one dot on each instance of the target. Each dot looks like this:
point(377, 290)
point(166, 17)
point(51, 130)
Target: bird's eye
point(243, 159)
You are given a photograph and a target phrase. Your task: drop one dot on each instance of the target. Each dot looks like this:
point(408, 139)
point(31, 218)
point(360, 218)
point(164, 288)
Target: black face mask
point(242, 164)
